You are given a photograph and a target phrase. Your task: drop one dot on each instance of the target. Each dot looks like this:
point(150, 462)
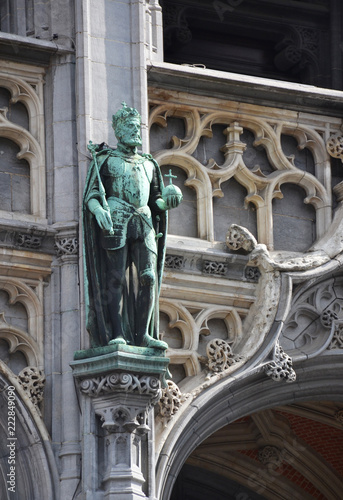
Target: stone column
point(120, 386)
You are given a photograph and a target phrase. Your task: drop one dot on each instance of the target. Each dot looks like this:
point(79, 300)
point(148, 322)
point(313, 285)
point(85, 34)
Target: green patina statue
point(124, 224)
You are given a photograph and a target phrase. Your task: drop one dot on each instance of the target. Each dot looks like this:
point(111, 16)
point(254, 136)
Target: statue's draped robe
point(97, 314)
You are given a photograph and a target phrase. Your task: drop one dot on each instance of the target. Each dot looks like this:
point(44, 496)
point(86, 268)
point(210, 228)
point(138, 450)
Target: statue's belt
point(132, 210)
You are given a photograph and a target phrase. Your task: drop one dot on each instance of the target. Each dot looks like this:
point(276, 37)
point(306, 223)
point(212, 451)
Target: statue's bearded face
point(129, 132)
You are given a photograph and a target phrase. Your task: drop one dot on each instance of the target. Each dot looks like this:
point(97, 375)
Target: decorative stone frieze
point(174, 261)
point(281, 368)
point(252, 273)
point(116, 382)
point(220, 355)
point(170, 402)
point(33, 381)
point(29, 241)
point(216, 268)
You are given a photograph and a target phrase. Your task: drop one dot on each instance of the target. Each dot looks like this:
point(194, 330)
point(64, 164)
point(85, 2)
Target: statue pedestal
point(119, 385)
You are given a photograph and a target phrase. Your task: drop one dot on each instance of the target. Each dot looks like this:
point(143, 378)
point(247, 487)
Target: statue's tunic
point(128, 185)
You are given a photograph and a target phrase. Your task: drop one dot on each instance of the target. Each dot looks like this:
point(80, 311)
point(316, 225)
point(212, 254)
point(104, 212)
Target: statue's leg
point(115, 281)
point(145, 262)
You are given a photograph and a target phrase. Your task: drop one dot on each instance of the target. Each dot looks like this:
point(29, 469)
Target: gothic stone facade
point(252, 299)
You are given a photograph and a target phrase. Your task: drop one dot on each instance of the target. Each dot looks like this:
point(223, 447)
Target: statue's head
point(126, 124)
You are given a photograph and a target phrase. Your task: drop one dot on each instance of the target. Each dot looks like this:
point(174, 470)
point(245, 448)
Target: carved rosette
point(281, 368)
point(334, 146)
point(220, 355)
point(170, 402)
point(32, 380)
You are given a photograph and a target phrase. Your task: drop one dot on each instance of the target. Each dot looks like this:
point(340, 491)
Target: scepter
point(91, 148)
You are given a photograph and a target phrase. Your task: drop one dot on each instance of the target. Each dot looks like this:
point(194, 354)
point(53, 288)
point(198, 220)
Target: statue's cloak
point(98, 321)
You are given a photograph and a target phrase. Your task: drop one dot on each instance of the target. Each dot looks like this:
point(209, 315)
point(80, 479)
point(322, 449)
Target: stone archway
point(231, 401)
point(27, 464)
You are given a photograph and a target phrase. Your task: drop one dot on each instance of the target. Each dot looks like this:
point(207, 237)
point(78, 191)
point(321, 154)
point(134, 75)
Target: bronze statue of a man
point(124, 225)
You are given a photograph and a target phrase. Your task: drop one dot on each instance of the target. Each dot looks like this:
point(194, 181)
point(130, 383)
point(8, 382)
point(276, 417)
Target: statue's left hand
point(171, 201)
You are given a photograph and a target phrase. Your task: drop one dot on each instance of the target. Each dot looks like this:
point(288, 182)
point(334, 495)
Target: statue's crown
point(123, 114)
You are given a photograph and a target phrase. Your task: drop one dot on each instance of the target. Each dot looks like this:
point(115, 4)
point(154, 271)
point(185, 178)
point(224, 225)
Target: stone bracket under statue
point(120, 385)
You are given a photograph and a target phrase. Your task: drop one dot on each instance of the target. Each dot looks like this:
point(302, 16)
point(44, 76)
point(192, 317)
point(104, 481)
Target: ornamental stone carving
point(334, 145)
point(66, 246)
point(29, 241)
point(170, 402)
point(33, 381)
point(174, 262)
point(220, 355)
point(337, 338)
point(122, 382)
point(216, 268)
point(339, 416)
point(281, 368)
point(239, 238)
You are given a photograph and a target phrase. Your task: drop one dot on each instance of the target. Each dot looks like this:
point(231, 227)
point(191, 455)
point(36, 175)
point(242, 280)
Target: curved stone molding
point(33, 381)
point(281, 368)
point(315, 322)
point(220, 356)
point(121, 382)
point(28, 292)
point(170, 402)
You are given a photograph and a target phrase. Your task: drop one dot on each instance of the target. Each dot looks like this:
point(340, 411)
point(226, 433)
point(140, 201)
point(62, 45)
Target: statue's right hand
point(103, 218)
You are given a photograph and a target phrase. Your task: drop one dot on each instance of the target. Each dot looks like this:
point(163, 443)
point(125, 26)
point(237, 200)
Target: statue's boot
point(149, 341)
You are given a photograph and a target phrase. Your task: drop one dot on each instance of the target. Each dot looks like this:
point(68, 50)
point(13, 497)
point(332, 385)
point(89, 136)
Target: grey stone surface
point(230, 210)
point(294, 221)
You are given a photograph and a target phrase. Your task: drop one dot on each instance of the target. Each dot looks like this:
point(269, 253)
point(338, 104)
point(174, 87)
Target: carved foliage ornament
point(281, 368)
point(66, 246)
point(220, 355)
point(170, 401)
point(33, 380)
point(337, 338)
